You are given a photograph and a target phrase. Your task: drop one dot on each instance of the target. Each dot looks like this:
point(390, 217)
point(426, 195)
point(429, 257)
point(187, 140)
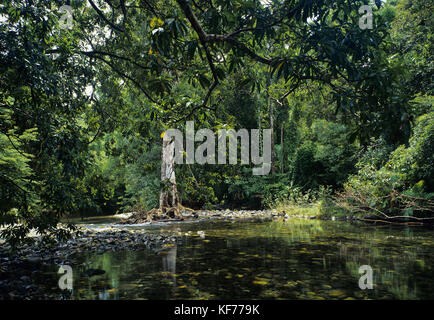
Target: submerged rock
point(33, 259)
point(94, 272)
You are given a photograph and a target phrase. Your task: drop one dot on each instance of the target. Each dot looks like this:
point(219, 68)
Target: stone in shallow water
point(33, 259)
point(94, 272)
point(337, 293)
point(25, 278)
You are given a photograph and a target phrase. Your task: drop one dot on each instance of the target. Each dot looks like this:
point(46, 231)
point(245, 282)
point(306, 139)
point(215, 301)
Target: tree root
point(157, 214)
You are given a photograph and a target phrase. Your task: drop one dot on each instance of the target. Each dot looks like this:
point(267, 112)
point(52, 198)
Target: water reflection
point(169, 263)
point(297, 259)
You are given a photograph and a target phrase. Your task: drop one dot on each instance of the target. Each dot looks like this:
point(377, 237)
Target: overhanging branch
point(102, 16)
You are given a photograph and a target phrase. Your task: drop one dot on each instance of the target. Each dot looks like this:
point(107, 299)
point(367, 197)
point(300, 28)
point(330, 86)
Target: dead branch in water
point(357, 201)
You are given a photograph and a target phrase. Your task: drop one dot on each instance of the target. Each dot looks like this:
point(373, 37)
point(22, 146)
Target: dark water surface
point(296, 259)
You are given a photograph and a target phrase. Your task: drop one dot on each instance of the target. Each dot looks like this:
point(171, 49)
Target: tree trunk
point(169, 197)
point(270, 106)
point(281, 147)
point(273, 155)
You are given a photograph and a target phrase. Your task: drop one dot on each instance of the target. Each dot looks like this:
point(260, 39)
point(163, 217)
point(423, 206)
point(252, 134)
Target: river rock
point(94, 272)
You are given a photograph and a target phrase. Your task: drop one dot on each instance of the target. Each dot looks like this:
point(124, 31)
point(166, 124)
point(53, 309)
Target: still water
point(296, 259)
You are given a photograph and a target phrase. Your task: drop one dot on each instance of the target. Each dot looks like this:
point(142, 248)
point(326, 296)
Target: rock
point(25, 278)
point(33, 259)
point(337, 293)
point(94, 272)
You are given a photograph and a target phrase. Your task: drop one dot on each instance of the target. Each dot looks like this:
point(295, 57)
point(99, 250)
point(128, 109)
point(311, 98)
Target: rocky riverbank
point(216, 214)
point(257, 215)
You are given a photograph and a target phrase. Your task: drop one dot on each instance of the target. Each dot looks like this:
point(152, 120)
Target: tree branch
point(102, 16)
point(203, 40)
point(125, 76)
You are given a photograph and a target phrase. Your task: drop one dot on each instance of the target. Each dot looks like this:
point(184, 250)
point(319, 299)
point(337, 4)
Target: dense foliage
point(82, 109)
